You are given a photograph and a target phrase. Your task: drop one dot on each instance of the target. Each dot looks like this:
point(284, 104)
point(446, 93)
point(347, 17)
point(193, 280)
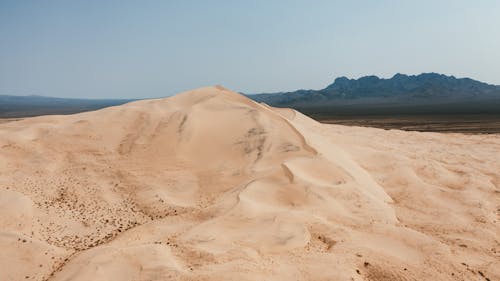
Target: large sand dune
point(209, 185)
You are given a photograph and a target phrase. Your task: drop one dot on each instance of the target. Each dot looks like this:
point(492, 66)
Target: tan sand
point(209, 185)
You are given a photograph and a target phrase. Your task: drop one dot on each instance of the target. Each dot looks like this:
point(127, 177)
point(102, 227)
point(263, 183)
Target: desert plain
point(209, 185)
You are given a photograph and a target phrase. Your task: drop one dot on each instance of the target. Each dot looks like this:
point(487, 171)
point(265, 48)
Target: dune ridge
point(210, 185)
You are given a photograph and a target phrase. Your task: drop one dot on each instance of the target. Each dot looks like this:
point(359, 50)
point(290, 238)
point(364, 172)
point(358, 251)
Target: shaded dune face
point(209, 185)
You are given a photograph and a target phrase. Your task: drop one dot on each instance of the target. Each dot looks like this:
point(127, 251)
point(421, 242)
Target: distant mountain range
point(427, 93)
point(401, 94)
point(27, 106)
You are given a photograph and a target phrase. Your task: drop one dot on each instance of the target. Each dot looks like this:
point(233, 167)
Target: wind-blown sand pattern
point(209, 185)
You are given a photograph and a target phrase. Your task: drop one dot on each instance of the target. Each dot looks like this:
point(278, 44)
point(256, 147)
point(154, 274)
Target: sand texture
point(209, 185)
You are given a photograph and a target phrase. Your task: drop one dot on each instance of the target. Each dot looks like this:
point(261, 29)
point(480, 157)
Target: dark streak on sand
point(5, 120)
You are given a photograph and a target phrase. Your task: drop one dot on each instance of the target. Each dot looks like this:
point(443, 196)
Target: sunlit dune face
point(209, 185)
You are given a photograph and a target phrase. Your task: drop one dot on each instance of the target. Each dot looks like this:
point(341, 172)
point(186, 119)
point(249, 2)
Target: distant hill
point(427, 93)
point(27, 106)
point(424, 93)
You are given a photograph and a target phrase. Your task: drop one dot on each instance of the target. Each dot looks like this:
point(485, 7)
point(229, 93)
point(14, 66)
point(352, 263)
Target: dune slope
point(209, 185)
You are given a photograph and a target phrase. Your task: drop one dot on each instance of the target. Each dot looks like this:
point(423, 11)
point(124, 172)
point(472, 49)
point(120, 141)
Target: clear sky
point(133, 49)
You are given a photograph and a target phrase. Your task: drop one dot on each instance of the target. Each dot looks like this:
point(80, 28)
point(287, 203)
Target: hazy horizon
point(246, 93)
point(126, 49)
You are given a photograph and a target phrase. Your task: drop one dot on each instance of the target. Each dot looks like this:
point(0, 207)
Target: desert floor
point(450, 123)
point(209, 185)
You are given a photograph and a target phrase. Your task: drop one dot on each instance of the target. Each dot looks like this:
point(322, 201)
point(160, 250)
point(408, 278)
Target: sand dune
point(209, 185)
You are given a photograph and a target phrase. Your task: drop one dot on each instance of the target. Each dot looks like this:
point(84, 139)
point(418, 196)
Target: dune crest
point(210, 185)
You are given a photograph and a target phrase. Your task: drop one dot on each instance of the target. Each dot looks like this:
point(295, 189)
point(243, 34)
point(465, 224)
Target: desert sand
point(209, 185)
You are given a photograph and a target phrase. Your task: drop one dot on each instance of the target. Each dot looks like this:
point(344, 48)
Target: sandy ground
point(209, 185)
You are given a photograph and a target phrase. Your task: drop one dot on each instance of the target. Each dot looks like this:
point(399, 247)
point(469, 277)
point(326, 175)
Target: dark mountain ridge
point(427, 93)
point(424, 93)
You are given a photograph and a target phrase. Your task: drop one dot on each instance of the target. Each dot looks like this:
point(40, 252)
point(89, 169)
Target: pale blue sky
point(132, 49)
